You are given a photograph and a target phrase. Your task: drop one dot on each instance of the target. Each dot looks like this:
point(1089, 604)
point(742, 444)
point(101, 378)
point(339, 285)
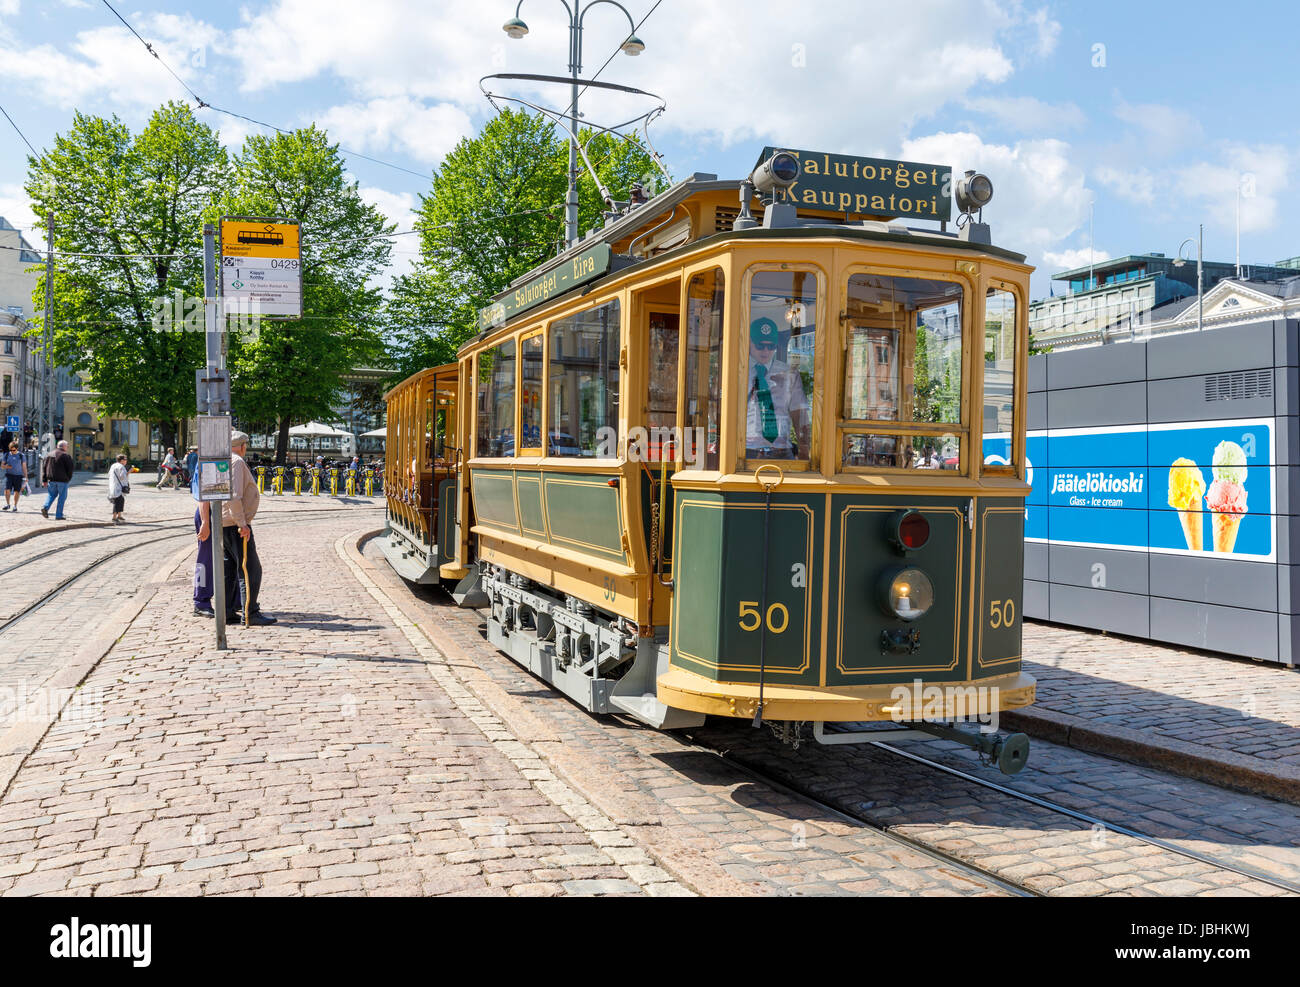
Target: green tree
point(112, 194)
point(495, 211)
point(291, 371)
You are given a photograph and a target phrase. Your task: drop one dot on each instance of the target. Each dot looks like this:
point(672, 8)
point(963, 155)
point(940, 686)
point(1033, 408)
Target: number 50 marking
point(749, 612)
point(1002, 613)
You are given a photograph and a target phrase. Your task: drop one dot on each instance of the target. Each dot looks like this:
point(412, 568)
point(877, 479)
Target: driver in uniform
point(777, 403)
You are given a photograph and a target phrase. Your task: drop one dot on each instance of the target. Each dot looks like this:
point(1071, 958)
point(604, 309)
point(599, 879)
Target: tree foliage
point(495, 211)
point(112, 194)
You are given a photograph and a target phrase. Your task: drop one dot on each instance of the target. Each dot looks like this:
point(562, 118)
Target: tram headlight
point(781, 170)
point(907, 593)
point(974, 192)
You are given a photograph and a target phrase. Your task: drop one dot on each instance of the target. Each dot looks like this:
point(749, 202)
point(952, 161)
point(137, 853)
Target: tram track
point(1008, 885)
point(1096, 823)
point(58, 589)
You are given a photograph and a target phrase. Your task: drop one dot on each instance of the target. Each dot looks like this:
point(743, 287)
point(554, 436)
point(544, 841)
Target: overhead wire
point(204, 104)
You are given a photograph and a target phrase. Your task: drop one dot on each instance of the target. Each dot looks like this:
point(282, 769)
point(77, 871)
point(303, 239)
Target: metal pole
point(216, 358)
point(1200, 277)
point(47, 337)
point(575, 66)
point(22, 396)
point(1238, 227)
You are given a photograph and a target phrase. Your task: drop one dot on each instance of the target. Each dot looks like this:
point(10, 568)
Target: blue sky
point(1157, 126)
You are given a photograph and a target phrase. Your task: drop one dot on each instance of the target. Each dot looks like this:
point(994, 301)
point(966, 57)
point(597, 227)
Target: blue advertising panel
point(1195, 488)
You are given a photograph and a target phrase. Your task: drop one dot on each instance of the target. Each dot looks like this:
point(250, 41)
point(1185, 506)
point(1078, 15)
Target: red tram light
point(912, 531)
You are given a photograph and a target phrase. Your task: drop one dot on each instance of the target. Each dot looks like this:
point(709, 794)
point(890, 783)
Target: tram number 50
point(778, 617)
point(1002, 613)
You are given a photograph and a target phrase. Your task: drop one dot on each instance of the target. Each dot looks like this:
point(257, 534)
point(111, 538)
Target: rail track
point(1097, 823)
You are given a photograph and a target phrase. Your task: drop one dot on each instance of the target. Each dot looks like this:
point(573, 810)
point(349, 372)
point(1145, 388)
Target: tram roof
point(419, 375)
point(665, 204)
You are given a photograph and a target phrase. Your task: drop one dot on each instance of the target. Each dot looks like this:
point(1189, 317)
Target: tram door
point(660, 447)
point(440, 441)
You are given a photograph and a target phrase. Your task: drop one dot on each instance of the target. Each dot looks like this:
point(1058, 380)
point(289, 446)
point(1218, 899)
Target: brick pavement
point(1229, 721)
point(316, 757)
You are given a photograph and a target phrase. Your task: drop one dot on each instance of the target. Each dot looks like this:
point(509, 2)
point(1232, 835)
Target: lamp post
point(633, 45)
point(1200, 272)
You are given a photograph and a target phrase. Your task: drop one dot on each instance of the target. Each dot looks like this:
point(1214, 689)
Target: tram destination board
point(842, 183)
point(571, 272)
point(261, 268)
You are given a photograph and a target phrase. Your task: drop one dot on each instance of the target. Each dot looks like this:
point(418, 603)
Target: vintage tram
point(753, 449)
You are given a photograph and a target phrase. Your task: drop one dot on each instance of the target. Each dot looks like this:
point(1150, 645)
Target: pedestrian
point(192, 462)
point(170, 471)
point(119, 485)
point(15, 475)
point(237, 537)
point(203, 584)
point(58, 474)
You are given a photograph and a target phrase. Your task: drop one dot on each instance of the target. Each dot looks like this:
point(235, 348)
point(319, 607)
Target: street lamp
point(1200, 272)
point(632, 45)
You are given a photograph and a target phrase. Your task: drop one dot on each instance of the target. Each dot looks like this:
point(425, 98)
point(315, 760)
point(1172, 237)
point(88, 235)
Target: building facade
point(95, 438)
point(1121, 292)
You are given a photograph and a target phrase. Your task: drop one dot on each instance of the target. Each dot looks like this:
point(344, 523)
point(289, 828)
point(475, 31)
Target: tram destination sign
point(261, 268)
point(592, 263)
point(867, 186)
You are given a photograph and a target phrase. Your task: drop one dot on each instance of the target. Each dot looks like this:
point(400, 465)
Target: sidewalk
point(1228, 721)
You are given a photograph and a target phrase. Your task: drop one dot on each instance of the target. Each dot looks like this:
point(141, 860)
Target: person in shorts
point(15, 475)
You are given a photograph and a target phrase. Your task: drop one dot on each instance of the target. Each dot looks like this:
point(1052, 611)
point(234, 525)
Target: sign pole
point(216, 359)
point(47, 336)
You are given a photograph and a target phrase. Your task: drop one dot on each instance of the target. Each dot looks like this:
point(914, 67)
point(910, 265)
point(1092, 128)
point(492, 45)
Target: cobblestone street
point(373, 742)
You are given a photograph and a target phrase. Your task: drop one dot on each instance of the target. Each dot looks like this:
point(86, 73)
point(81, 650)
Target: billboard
point(1194, 488)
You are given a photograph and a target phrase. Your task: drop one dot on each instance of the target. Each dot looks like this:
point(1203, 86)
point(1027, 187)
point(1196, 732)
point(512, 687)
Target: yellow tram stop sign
point(261, 267)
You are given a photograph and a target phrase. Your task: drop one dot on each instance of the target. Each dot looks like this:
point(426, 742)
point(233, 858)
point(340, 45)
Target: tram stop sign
point(214, 458)
point(261, 268)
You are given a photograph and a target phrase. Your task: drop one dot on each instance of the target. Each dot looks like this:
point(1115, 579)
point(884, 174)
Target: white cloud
point(426, 132)
point(1263, 172)
point(1070, 258)
point(17, 208)
point(1040, 196)
point(1169, 127)
point(1136, 185)
point(399, 208)
point(108, 66)
point(9, 8)
point(1027, 115)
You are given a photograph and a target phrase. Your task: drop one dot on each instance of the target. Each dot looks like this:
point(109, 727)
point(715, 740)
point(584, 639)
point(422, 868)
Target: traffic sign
point(261, 268)
point(11, 423)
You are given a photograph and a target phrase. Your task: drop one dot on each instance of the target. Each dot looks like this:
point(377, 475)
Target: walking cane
point(248, 610)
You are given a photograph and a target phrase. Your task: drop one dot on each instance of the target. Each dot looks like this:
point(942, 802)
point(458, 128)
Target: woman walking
point(15, 475)
point(119, 485)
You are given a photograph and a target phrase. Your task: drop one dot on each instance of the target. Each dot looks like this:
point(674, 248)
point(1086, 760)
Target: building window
point(9, 347)
point(124, 433)
point(9, 386)
point(83, 418)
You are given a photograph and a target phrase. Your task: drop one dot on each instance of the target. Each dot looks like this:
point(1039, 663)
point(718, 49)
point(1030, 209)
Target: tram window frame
point(941, 435)
point(810, 462)
point(614, 394)
point(711, 321)
point(488, 383)
point(1012, 466)
point(525, 339)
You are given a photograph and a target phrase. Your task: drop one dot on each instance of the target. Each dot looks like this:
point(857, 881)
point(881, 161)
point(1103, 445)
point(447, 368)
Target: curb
point(1239, 772)
point(28, 535)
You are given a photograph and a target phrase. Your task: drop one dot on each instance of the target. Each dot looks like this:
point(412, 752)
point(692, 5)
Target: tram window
point(661, 403)
point(496, 401)
point(910, 452)
point(704, 305)
point(782, 334)
point(583, 383)
point(530, 393)
point(999, 379)
point(903, 353)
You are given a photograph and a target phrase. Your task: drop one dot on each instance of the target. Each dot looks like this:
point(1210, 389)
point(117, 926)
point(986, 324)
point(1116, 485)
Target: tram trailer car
point(754, 449)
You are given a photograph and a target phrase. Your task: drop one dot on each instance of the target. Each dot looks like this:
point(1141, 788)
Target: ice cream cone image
point(1225, 531)
point(1186, 488)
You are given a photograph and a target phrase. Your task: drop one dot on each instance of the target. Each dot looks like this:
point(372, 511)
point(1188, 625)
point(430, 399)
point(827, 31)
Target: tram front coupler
point(1009, 751)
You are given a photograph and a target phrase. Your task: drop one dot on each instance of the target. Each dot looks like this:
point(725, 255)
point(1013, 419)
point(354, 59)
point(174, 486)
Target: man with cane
point(237, 535)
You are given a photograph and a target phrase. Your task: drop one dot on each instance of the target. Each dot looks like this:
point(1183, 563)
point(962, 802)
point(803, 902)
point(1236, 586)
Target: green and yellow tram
point(754, 449)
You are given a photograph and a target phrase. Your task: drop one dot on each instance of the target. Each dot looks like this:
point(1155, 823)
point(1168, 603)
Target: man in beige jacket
point(237, 531)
